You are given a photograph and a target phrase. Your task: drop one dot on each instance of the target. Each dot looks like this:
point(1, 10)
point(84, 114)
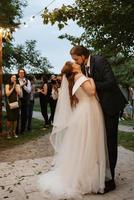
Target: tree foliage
point(108, 24)
point(25, 56)
point(125, 73)
point(15, 57)
point(11, 12)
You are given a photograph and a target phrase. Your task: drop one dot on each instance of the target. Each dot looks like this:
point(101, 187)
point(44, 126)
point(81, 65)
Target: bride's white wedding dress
point(80, 164)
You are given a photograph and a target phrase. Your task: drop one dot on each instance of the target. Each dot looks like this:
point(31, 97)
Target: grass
point(126, 140)
point(128, 122)
point(37, 105)
point(28, 136)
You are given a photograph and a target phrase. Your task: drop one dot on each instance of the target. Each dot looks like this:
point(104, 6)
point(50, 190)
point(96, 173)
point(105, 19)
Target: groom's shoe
point(109, 186)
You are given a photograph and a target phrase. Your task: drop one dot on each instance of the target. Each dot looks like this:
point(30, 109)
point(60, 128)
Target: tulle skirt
point(80, 164)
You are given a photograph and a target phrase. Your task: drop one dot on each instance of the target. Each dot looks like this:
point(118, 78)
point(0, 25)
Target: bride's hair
point(68, 71)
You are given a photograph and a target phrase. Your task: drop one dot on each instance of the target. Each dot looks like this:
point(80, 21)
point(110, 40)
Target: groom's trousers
point(111, 124)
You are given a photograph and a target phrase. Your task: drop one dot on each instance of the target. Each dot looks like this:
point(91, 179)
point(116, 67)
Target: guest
point(25, 98)
point(59, 78)
point(43, 95)
point(121, 113)
point(53, 95)
point(31, 102)
point(12, 91)
point(131, 91)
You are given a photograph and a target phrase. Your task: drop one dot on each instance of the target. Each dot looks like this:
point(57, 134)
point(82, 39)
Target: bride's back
point(80, 93)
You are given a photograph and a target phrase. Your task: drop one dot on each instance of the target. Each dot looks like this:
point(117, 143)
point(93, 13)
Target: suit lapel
point(92, 62)
point(83, 69)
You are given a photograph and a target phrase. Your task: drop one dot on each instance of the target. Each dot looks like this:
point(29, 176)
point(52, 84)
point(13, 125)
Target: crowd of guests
point(20, 94)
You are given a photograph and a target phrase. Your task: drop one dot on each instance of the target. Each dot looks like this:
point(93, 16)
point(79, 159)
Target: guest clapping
point(12, 91)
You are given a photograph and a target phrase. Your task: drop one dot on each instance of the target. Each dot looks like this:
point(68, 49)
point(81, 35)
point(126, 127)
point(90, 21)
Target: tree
point(15, 57)
point(11, 12)
point(108, 24)
point(125, 73)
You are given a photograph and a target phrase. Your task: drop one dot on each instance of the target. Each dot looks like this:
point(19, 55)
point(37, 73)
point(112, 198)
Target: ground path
point(21, 166)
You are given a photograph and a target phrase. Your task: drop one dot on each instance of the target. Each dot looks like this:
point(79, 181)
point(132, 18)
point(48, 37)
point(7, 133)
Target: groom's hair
point(79, 51)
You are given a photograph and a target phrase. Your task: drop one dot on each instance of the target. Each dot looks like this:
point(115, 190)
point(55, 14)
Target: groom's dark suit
point(111, 100)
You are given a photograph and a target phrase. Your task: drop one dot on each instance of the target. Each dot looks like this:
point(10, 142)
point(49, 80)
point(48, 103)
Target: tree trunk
point(0, 82)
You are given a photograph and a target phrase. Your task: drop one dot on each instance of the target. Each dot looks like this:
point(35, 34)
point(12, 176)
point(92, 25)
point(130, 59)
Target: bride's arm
point(88, 84)
point(89, 87)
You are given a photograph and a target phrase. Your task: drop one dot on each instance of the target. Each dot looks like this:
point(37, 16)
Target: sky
point(56, 50)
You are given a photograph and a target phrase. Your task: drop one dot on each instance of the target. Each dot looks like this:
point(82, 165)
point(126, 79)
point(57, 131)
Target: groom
point(111, 99)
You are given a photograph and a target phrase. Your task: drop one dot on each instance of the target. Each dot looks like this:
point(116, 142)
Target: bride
point(78, 137)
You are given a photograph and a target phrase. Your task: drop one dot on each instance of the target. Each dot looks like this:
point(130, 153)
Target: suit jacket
point(111, 98)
